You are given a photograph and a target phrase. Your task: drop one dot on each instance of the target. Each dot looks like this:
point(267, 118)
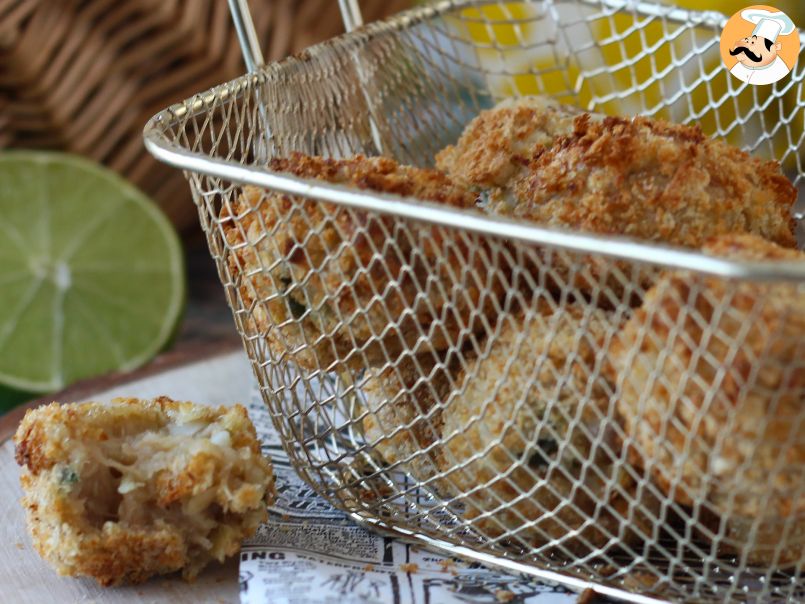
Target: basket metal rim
point(407, 207)
point(505, 564)
point(614, 246)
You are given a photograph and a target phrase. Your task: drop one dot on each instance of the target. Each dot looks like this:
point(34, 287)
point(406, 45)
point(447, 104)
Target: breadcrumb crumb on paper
point(504, 595)
point(447, 564)
point(125, 491)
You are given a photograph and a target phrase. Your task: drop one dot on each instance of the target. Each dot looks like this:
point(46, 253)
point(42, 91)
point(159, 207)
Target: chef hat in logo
point(769, 25)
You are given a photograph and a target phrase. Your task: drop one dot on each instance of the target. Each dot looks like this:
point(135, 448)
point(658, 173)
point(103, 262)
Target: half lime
point(91, 272)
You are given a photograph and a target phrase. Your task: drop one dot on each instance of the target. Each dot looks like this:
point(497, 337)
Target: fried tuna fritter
point(404, 404)
point(550, 164)
point(520, 438)
point(125, 491)
point(339, 286)
point(712, 388)
point(654, 181)
point(497, 145)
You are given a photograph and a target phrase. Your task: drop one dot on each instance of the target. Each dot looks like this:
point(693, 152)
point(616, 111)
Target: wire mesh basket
point(590, 410)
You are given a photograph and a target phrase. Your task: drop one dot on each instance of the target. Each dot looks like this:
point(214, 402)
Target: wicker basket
point(83, 76)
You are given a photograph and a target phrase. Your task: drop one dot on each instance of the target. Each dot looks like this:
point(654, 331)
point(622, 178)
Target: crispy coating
point(711, 377)
point(334, 285)
point(533, 413)
point(404, 403)
point(649, 180)
point(137, 488)
point(655, 181)
point(497, 145)
point(541, 161)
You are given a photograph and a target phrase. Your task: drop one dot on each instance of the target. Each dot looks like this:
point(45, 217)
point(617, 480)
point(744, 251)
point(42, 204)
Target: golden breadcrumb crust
point(404, 404)
point(136, 488)
point(545, 162)
point(655, 181)
point(711, 379)
point(518, 438)
point(334, 285)
point(645, 179)
point(497, 145)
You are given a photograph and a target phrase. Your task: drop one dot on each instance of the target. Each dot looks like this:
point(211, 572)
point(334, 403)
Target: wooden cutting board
point(210, 376)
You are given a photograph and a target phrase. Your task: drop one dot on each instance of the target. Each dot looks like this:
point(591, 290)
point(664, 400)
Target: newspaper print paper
point(310, 553)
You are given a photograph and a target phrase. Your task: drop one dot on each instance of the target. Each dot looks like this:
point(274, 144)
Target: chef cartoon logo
point(760, 45)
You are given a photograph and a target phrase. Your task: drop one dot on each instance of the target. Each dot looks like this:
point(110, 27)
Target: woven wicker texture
point(84, 76)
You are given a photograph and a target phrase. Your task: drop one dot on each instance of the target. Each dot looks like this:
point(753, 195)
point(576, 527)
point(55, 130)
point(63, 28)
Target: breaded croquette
point(497, 145)
point(711, 379)
point(653, 181)
point(333, 286)
point(519, 439)
point(137, 488)
point(404, 410)
point(548, 163)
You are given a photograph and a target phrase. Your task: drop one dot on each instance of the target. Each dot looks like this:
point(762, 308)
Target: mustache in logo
point(752, 56)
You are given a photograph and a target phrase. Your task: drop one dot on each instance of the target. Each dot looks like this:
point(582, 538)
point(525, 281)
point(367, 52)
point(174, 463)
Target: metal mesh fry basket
point(490, 388)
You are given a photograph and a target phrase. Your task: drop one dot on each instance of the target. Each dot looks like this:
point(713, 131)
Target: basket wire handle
point(350, 14)
point(253, 55)
point(247, 34)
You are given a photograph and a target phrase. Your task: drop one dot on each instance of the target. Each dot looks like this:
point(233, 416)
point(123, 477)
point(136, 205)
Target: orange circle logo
point(760, 45)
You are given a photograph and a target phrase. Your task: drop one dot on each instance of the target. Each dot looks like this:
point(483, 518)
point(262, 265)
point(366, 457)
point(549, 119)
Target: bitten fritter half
point(711, 379)
point(137, 488)
point(336, 286)
point(519, 439)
